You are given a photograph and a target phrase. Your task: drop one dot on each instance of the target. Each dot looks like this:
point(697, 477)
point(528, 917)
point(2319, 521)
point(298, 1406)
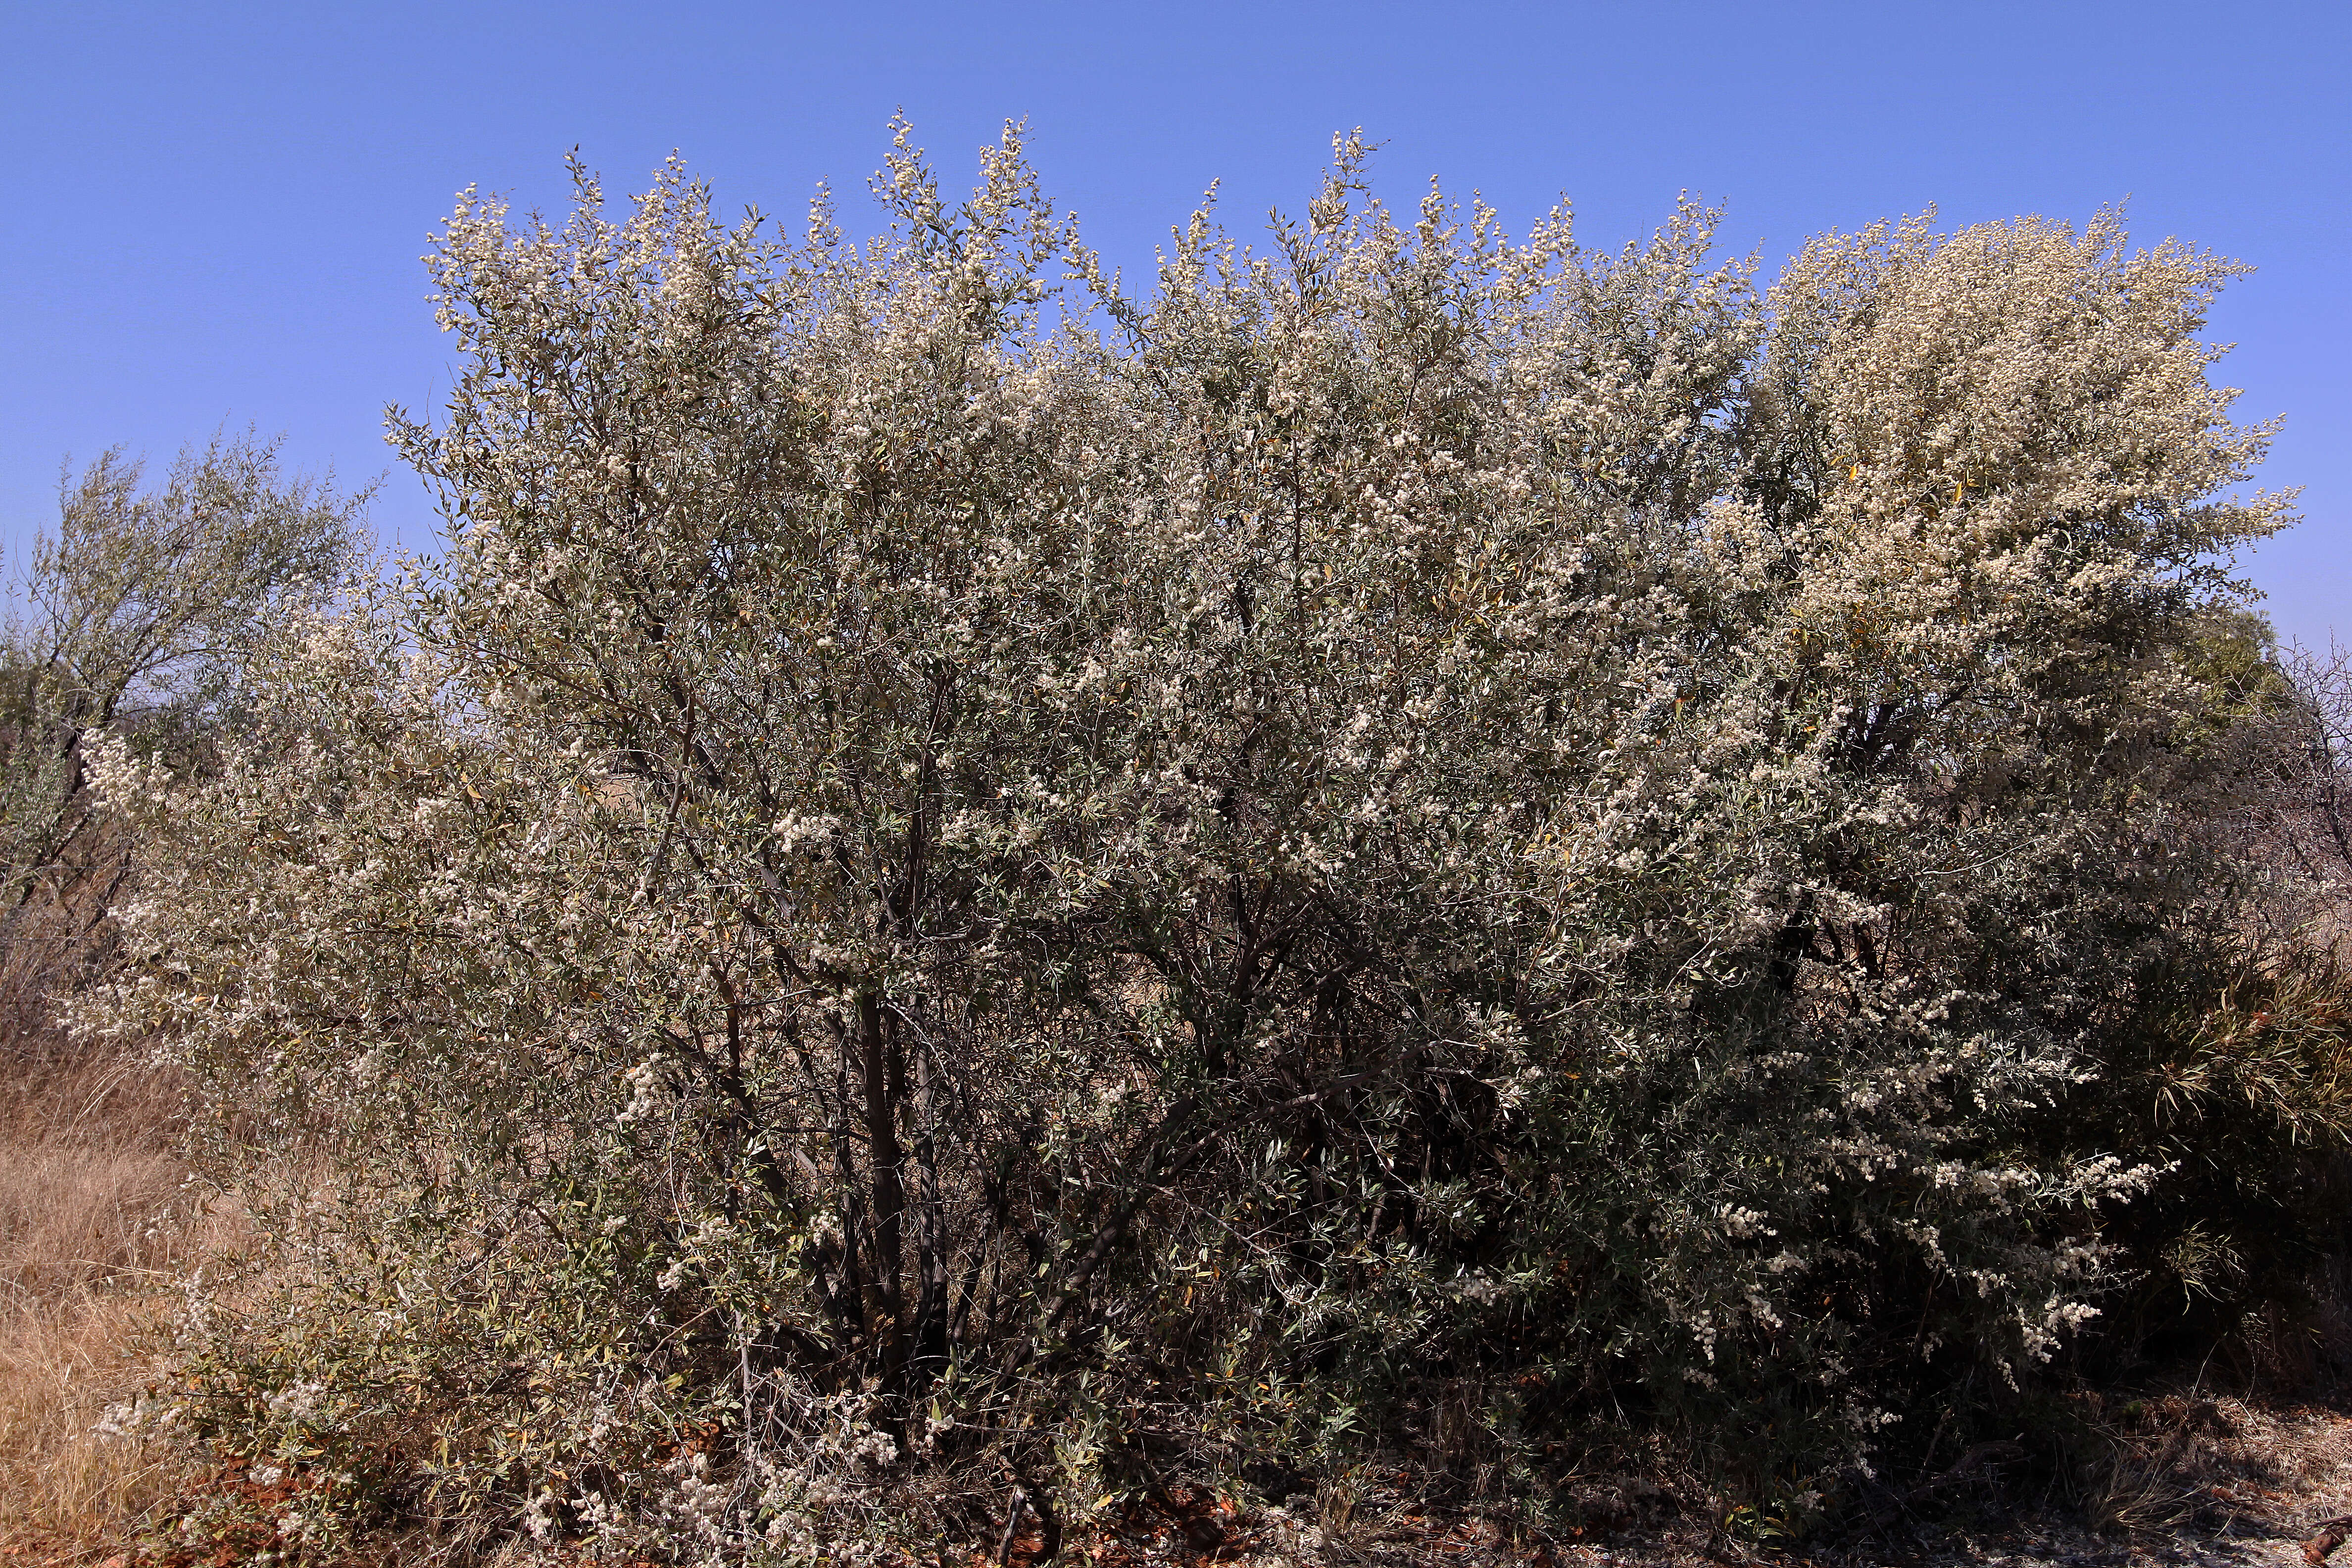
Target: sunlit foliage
point(1412, 839)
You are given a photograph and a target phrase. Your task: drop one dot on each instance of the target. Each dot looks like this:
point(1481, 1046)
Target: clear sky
point(216, 211)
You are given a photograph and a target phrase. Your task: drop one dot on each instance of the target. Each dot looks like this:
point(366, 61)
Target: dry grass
point(2223, 1465)
point(66, 1490)
point(96, 1226)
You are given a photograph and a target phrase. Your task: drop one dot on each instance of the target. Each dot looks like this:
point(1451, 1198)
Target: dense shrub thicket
point(1414, 843)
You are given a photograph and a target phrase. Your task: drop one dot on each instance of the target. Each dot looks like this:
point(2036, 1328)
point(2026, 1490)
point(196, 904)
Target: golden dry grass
point(96, 1226)
point(66, 1491)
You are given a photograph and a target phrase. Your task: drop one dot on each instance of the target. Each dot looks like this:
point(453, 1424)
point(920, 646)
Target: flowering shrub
point(1413, 839)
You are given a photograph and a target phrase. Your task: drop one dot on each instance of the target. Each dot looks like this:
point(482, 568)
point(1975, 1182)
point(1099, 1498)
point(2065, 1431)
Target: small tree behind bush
point(130, 619)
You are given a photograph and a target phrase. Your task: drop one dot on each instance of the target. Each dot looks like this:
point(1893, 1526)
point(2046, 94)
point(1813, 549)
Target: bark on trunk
point(889, 1189)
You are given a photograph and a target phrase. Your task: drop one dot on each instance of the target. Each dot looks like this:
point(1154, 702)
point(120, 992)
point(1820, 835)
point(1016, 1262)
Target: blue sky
point(216, 211)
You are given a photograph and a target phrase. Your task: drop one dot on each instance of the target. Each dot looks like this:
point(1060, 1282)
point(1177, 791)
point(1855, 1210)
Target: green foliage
point(1413, 841)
